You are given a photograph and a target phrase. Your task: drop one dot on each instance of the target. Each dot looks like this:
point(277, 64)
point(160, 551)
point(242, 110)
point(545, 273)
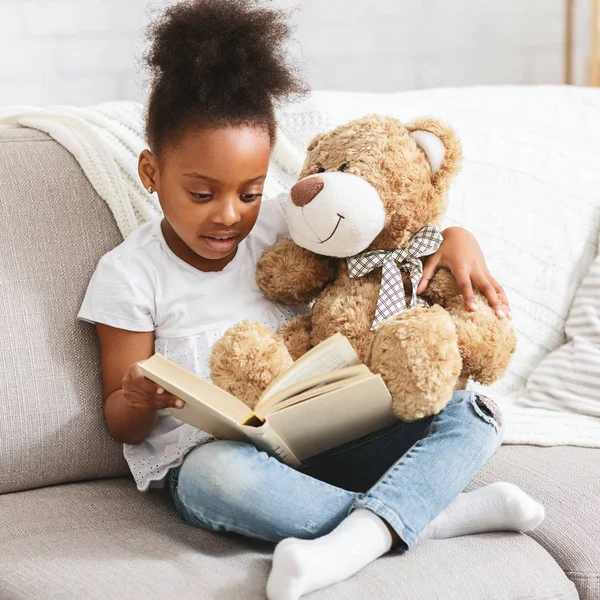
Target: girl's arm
point(461, 254)
point(129, 421)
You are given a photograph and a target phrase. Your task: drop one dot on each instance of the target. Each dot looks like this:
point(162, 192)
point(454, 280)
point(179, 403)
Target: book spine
point(266, 438)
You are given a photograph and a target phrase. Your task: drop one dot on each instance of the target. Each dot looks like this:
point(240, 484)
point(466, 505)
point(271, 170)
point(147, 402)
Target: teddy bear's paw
point(416, 353)
point(443, 289)
point(247, 359)
point(486, 343)
point(296, 335)
point(289, 274)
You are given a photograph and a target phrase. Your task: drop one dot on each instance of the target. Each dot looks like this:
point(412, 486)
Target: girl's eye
point(202, 196)
point(344, 167)
point(321, 170)
point(249, 197)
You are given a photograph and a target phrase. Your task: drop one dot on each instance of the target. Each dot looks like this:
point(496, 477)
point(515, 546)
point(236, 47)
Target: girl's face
point(209, 187)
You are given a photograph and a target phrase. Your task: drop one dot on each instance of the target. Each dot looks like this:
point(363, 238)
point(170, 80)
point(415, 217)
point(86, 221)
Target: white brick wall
point(84, 51)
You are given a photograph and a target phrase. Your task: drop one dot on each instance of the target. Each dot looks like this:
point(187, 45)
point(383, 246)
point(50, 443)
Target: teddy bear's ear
point(441, 146)
point(315, 141)
point(432, 146)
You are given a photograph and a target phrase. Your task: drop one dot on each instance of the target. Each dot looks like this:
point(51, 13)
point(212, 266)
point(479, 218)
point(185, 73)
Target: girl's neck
point(185, 253)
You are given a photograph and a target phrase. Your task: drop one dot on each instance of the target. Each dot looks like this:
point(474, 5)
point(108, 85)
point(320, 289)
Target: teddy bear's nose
point(306, 189)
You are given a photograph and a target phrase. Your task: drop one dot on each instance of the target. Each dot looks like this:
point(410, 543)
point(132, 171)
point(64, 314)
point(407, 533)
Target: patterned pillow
point(569, 377)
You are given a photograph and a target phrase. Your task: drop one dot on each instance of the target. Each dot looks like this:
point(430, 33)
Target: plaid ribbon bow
point(392, 299)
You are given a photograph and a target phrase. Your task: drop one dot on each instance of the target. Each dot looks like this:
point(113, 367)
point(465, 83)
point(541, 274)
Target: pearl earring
point(150, 189)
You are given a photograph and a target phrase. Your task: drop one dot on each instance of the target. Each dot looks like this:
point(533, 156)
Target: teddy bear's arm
point(289, 274)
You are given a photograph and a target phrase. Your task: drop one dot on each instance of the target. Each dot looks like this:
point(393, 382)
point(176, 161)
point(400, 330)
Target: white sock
point(499, 506)
point(303, 566)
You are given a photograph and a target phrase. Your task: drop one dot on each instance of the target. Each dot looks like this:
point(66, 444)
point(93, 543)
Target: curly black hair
point(216, 63)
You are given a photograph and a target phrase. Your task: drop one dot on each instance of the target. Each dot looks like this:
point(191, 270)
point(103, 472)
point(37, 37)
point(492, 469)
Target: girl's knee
point(220, 471)
point(484, 407)
point(215, 455)
point(225, 486)
point(478, 407)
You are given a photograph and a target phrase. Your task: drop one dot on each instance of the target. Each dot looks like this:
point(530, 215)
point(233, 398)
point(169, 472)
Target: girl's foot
point(499, 506)
point(303, 566)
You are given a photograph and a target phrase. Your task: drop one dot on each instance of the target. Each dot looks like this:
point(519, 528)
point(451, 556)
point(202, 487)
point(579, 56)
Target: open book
point(328, 397)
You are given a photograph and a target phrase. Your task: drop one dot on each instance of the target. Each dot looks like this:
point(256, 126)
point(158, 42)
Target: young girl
point(177, 283)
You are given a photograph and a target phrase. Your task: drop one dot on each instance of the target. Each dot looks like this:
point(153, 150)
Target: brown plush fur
point(422, 340)
point(293, 274)
point(296, 335)
point(234, 359)
point(422, 354)
point(486, 343)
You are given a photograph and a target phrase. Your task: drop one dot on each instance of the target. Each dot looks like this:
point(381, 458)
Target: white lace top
point(141, 285)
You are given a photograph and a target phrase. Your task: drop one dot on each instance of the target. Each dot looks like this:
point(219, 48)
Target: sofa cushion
point(54, 229)
point(103, 539)
point(565, 480)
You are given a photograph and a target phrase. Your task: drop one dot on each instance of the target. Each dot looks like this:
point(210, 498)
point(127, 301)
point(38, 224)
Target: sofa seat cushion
point(103, 539)
point(565, 480)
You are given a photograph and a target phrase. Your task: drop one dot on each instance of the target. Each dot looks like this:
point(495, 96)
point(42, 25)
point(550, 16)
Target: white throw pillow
point(528, 189)
point(569, 377)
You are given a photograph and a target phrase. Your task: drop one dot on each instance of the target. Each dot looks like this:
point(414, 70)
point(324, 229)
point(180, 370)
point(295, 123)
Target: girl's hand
point(141, 392)
point(460, 253)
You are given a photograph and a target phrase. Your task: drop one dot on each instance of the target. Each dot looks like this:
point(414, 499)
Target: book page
point(297, 391)
point(318, 390)
point(332, 354)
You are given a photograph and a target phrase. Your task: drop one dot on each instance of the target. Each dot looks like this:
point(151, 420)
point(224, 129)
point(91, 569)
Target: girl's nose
point(228, 213)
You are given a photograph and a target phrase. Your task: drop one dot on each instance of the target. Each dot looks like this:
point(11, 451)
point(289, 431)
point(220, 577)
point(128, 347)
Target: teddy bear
point(364, 212)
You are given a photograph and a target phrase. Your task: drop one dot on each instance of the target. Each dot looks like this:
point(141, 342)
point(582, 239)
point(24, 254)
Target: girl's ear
point(147, 169)
point(441, 146)
point(315, 141)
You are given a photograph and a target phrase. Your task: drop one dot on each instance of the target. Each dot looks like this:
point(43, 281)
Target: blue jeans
point(406, 473)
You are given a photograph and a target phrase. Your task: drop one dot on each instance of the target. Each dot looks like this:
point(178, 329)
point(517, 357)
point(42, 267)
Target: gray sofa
point(72, 523)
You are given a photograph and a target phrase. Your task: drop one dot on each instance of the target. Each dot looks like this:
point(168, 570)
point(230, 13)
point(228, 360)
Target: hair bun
point(221, 51)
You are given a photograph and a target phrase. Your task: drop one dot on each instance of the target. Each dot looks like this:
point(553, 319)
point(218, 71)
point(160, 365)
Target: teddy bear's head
point(372, 184)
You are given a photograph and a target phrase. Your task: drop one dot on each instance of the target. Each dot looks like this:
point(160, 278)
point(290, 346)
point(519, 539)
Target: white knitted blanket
point(522, 192)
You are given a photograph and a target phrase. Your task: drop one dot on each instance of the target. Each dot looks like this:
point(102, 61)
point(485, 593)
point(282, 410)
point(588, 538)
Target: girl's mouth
point(220, 244)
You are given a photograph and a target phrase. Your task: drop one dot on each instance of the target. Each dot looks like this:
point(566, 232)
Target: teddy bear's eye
point(344, 167)
point(321, 170)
